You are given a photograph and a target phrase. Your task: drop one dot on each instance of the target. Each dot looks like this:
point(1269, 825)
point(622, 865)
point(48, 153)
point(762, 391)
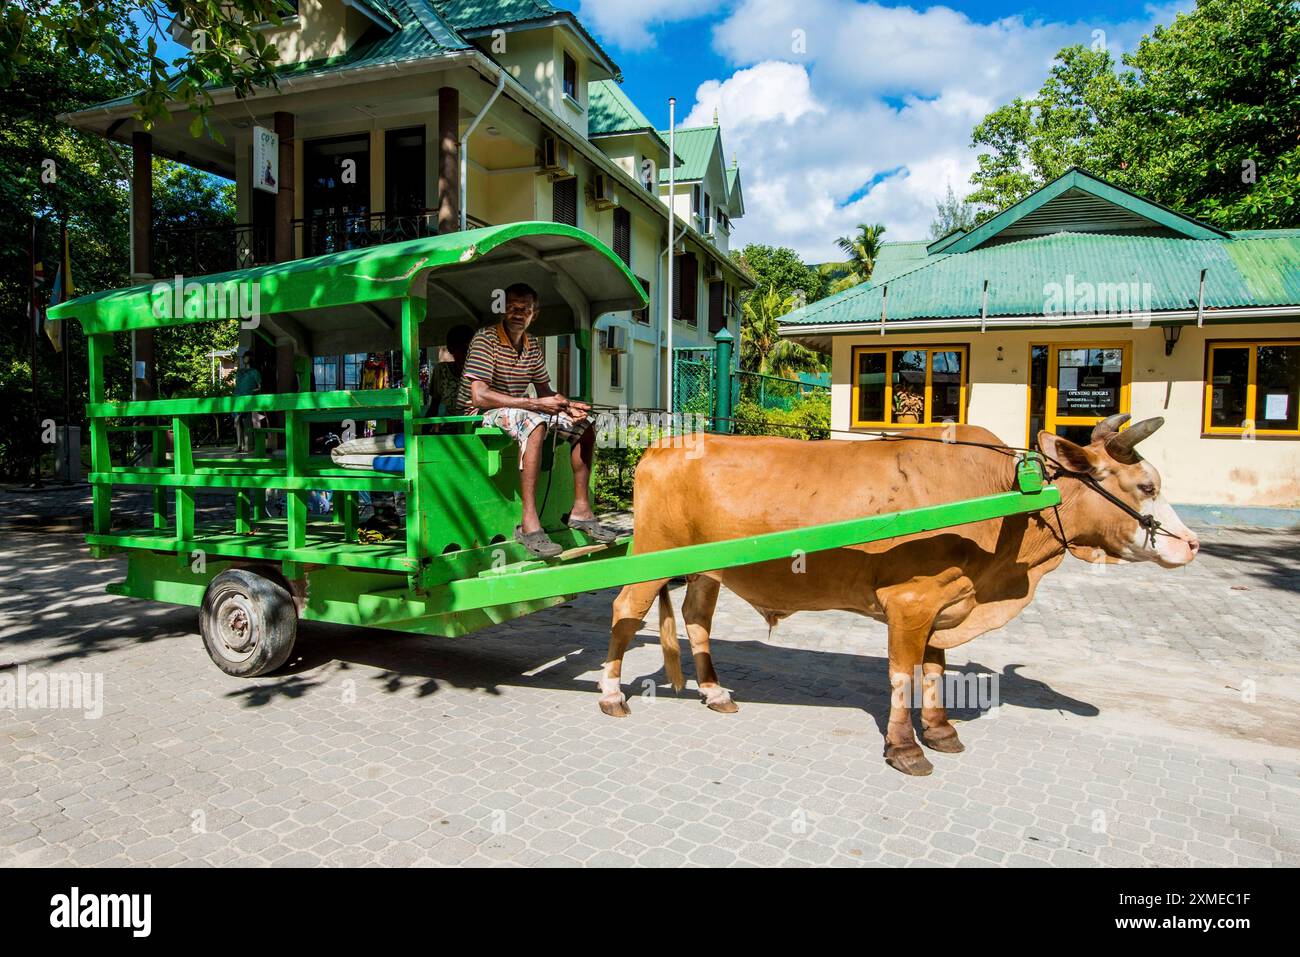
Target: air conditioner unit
point(712, 271)
point(615, 339)
point(557, 157)
point(602, 192)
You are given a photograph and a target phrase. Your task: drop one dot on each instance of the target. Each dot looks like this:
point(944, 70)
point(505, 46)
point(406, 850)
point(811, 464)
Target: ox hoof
point(943, 738)
point(615, 705)
point(719, 700)
point(908, 758)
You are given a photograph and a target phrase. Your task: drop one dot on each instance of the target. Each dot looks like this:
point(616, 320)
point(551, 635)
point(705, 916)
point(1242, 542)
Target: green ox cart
point(454, 567)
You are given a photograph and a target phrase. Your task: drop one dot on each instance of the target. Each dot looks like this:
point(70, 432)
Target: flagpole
point(672, 240)
point(64, 336)
point(33, 314)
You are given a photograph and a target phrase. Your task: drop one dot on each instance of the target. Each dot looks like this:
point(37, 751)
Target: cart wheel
point(248, 623)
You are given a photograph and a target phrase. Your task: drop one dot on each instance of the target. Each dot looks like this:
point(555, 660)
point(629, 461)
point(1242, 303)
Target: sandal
point(593, 529)
point(538, 543)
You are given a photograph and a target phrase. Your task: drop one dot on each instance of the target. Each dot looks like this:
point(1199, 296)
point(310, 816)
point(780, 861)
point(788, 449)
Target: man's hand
point(551, 404)
point(577, 410)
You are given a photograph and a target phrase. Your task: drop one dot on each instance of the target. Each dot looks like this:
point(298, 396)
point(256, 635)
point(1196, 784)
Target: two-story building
point(397, 118)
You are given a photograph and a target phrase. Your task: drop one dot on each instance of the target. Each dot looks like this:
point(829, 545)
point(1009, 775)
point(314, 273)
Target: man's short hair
point(522, 289)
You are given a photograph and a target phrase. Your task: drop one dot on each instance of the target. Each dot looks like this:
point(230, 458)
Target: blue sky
point(846, 111)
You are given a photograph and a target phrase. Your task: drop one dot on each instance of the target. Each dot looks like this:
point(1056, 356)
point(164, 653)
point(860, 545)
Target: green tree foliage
point(762, 349)
point(1202, 117)
point(783, 283)
point(951, 213)
point(54, 174)
point(780, 268)
point(861, 251)
point(226, 49)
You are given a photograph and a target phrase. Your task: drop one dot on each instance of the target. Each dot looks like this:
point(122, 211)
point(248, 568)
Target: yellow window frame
point(1252, 347)
point(889, 351)
point(1050, 417)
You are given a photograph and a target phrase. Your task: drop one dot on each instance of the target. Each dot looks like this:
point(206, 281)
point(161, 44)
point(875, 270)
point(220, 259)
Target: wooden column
point(285, 247)
point(284, 238)
point(448, 159)
point(142, 248)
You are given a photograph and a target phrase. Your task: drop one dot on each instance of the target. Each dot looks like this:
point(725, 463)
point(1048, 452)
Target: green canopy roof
point(355, 296)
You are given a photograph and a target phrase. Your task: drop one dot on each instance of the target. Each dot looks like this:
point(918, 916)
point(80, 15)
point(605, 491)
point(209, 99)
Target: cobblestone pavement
point(1146, 717)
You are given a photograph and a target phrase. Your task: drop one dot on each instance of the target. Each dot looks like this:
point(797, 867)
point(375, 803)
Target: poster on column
point(266, 160)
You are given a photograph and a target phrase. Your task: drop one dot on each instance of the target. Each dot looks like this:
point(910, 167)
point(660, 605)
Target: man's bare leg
point(581, 457)
point(532, 467)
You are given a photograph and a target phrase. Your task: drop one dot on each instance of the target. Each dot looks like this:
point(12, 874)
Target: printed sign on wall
point(266, 160)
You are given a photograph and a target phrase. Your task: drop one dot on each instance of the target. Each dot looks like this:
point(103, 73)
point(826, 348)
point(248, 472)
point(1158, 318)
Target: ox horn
point(1109, 426)
point(1120, 445)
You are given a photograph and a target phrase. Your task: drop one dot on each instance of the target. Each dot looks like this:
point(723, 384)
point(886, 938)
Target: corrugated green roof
point(895, 258)
point(422, 33)
point(477, 15)
point(1260, 270)
point(609, 111)
point(474, 14)
point(695, 146)
point(381, 11)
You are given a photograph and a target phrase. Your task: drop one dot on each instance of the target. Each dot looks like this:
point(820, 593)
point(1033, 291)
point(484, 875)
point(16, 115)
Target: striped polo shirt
point(493, 358)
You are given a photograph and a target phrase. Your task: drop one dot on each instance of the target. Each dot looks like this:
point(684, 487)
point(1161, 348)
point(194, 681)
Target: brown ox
point(934, 590)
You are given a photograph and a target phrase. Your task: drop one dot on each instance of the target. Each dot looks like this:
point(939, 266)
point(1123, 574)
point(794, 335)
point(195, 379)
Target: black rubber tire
point(248, 623)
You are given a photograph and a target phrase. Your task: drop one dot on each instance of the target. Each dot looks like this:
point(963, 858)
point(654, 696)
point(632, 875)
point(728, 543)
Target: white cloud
point(865, 90)
point(627, 23)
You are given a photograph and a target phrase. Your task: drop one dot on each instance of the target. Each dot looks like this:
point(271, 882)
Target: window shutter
point(717, 317)
point(564, 200)
point(623, 236)
point(685, 292)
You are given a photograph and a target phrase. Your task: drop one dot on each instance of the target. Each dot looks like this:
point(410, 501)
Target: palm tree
point(861, 252)
point(761, 347)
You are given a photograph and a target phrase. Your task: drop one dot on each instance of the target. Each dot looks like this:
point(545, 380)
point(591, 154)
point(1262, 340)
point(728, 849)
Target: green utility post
point(722, 381)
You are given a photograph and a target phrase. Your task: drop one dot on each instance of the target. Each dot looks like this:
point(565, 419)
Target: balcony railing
point(200, 250)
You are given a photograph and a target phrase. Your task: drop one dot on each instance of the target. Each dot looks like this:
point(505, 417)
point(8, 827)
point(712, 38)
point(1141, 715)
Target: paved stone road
point(1147, 717)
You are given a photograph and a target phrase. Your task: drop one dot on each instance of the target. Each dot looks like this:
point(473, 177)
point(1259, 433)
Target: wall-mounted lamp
point(1171, 337)
point(1000, 355)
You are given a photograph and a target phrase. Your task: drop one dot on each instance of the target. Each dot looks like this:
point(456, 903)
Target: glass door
point(336, 204)
point(1072, 387)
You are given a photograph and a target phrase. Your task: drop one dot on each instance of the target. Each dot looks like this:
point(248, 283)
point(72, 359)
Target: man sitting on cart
point(503, 361)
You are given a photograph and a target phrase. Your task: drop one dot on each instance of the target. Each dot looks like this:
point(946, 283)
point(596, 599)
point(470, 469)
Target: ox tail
point(668, 640)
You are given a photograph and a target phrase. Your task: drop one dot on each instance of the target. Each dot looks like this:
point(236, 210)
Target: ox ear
point(1073, 457)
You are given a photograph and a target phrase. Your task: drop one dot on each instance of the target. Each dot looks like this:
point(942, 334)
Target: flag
point(62, 292)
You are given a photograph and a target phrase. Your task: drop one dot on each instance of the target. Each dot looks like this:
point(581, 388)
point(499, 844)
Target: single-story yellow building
point(1081, 301)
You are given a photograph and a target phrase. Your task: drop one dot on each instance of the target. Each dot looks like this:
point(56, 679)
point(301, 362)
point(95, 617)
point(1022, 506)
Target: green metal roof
point(696, 147)
point(421, 33)
point(1088, 203)
point(1262, 270)
point(895, 258)
point(1078, 246)
point(379, 11)
point(476, 16)
point(611, 112)
point(558, 261)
